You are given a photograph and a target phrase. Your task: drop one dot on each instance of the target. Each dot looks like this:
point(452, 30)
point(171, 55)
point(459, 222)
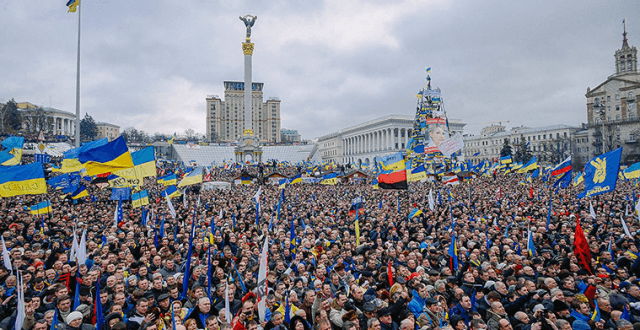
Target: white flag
point(170, 205)
point(256, 197)
point(227, 309)
point(74, 246)
point(20, 314)
point(82, 249)
point(184, 199)
point(220, 215)
point(262, 279)
point(5, 256)
point(624, 225)
point(432, 202)
point(115, 217)
point(591, 211)
point(638, 209)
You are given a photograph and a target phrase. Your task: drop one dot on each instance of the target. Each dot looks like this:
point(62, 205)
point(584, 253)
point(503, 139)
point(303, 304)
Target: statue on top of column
point(248, 20)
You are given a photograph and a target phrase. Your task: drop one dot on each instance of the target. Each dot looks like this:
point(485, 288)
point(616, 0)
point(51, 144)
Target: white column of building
point(376, 139)
point(365, 143)
point(386, 138)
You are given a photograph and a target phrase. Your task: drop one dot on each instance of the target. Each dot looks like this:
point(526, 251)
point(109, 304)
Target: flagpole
point(78, 81)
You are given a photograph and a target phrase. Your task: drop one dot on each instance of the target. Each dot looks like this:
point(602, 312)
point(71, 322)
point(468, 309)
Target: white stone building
point(489, 143)
point(58, 122)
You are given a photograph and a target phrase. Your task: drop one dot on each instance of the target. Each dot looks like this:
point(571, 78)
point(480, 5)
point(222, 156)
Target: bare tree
point(556, 150)
point(36, 121)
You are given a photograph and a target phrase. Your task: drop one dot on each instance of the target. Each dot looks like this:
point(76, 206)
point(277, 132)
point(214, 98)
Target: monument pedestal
point(248, 148)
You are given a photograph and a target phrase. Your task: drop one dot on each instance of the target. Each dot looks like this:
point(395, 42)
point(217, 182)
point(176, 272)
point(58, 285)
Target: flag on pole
point(624, 226)
point(262, 279)
point(432, 202)
point(592, 212)
point(581, 248)
point(98, 308)
point(81, 255)
point(170, 205)
point(5, 256)
point(72, 4)
point(20, 313)
point(227, 309)
point(187, 267)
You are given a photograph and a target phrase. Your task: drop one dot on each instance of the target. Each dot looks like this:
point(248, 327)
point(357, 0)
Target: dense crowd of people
point(399, 274)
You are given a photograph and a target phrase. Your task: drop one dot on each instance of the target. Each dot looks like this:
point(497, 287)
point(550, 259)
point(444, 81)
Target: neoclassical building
point(612, 111)
point(57, 122)
point(382, 136)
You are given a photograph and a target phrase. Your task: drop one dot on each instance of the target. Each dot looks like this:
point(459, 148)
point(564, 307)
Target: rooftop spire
point(624, 34)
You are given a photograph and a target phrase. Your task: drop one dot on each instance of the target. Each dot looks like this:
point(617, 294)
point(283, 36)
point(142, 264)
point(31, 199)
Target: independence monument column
point(248, 148)
point(247, 49)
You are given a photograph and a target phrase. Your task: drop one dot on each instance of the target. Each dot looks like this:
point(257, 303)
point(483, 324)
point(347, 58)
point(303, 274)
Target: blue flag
point(187, 267)
point(99, 314)
point(601, 173)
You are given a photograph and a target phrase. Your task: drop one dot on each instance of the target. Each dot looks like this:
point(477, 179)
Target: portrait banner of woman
point(436, 133)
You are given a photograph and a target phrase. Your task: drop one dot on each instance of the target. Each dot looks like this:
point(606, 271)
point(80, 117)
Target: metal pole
point(604, 116)
point(78, 81)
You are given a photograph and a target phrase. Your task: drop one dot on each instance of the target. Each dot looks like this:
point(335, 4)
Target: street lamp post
point(602, 111)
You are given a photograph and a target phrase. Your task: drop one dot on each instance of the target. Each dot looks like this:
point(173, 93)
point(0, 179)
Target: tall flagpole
point(78, 81)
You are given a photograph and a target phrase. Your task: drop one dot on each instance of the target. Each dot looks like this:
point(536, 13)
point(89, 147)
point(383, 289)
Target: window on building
point(617, 96)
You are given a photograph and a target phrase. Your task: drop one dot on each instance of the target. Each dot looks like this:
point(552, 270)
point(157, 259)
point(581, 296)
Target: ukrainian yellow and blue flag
point(172, 138)
point(578, 179)
point(169, 179)
point(417, 174)
point(296, 179)
point(531, 165)
point(22, 180)
point(632, 172)
point(171, 191)
point(144, 162)
point(110, 157)
point(193, 177)
point(12, 155)
point(72, 4)
point(505, 160)
point(415, 212)
point(392, 162)
point(330, 179)
point(41, 208)
point(140, 199)
point(80, 192)
point(245, 180)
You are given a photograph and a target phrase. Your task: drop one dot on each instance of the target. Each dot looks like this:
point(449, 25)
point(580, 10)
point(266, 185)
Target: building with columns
point(612, 111)
point(360, 143)
point(58, 122)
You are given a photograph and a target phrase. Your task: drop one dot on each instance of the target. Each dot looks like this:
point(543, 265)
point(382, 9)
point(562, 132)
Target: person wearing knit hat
point(74, 316)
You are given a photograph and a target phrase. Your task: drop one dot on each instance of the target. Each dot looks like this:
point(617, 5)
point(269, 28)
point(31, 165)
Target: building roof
point(101, 123)
point(528, 130)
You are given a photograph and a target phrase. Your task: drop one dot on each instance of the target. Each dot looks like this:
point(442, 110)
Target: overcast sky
point(151, 63)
